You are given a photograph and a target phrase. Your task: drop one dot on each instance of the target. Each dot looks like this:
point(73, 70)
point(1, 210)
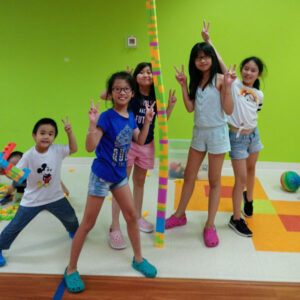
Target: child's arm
point(171, 103)
point(140, 136)
point(105, 96)
point(226, 93)
point(205, 36)
point(71, 137)
point(181, 78)
point(94, 133)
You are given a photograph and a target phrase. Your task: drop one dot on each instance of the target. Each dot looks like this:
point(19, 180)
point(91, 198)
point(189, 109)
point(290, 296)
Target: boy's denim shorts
point(100, 188)
point(214, 140)
point(244, 144)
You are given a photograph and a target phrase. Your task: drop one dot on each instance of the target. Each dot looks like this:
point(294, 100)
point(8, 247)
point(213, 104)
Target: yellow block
point(163, 173)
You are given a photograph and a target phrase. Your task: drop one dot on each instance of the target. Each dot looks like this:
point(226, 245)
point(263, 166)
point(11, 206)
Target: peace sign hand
point(150, 113)
point(128, 70)
point(67, 125)
point(205, 31)
point(172, 99)
point(180, 77)
point(94, 112)
point(230, 76)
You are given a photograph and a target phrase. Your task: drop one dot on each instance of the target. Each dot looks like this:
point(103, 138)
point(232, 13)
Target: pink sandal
point(116, 239)
point(173, 221)
point(210, 237)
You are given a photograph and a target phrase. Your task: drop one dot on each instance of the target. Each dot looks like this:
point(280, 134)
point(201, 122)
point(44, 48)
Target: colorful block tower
point(162, 123)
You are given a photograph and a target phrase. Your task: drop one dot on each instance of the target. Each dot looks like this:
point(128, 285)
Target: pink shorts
point(141, 155)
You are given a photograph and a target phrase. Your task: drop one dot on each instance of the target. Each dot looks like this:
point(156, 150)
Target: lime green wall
point(37, 36)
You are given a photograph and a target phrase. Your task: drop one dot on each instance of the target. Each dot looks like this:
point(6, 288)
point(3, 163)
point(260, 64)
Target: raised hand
point(67, 125)
point(180, 77)
point(150, 113)
point(205, 31)
point(172, 99)
point(94, 112)
point(230, 75)
point(129, 71)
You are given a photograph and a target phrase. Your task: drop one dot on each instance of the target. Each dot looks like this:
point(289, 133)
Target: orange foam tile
point(199, 198)
point(287, 207)
point(269, 234)
point(291, 223)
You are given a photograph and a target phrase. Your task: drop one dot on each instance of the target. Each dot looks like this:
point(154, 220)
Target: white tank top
point(208, 108)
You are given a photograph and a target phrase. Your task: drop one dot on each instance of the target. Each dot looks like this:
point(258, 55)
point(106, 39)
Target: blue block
point(160, 225)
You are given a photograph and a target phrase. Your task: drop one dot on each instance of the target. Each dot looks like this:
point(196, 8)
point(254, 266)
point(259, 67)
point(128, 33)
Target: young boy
point(17, 187)
point(43, 190)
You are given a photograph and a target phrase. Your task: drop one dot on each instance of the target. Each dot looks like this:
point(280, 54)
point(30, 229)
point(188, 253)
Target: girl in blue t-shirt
point(110, 134)
point(140, 157)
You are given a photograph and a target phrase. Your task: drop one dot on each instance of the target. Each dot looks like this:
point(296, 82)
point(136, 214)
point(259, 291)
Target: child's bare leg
point(115, 223)
point(92, 208)
point(215, 163)
point(251, 163)
point(195, 159)
point(124, 198)
point(138, 178)
point(240, 179)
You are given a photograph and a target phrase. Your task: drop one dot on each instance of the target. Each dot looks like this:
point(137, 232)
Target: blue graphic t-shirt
point(111, 152)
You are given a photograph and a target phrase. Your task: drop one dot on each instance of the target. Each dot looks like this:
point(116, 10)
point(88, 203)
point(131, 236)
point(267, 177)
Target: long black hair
point(195, 74)
point(137, 70)
point(261, 66)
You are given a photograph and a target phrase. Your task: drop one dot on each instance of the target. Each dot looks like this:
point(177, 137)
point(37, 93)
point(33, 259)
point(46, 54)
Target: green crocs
point(73, 282)
point(145, 268)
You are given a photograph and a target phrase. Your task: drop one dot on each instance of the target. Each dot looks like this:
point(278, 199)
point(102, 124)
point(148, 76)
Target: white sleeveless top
point(208, 108)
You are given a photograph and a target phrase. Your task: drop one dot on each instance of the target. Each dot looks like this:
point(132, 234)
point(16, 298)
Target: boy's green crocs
point(73, 282)
point(145, 268)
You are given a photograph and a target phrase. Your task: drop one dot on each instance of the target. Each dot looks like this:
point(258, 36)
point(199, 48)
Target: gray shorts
point(244, 144)
point(100, 188)
point(214, 140)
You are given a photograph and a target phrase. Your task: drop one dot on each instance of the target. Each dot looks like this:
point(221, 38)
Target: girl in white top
point(244, 136)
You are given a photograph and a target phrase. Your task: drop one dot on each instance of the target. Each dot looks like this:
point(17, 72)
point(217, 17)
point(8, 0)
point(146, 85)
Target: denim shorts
point(244, 144)
point(214, 140)
point(100, 188)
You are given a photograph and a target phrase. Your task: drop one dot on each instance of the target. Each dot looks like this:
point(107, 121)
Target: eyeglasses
point(205, 57)
point(118, 90)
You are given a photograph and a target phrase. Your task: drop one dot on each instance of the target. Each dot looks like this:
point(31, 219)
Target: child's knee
point(131, 216)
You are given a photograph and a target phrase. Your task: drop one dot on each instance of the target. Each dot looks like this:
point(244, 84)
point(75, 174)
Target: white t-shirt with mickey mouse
point(43, 183)
point(247, 101)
